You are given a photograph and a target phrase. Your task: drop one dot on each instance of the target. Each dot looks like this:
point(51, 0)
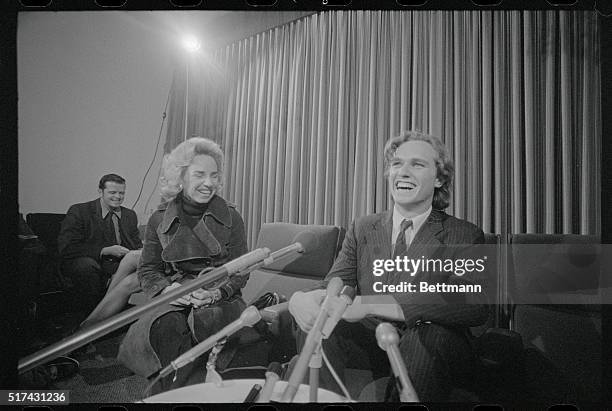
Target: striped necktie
point(400, 242)
point(115, 219)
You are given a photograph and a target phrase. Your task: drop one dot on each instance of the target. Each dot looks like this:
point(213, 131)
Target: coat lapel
point(124, 225)
point(427, 237)
point(378, 239)
point(208, 228)
point(206, 237)
point(186, 243)
point(96, 212)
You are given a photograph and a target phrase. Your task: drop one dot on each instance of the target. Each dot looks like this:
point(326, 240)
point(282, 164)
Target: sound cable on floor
point(333, 373)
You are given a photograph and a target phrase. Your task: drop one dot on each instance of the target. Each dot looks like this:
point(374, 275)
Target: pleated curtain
point(303, 111)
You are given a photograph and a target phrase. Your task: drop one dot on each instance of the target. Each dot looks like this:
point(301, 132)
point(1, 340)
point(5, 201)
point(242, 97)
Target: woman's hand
point(202, 297)
point(196, 299)
point(184, 301)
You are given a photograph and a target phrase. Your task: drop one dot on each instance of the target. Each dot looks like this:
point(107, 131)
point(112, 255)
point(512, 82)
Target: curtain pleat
point(488, 185)
point(530, 100)
point(303, 112)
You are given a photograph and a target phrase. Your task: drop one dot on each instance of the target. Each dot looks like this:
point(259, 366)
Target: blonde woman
point(193, 229)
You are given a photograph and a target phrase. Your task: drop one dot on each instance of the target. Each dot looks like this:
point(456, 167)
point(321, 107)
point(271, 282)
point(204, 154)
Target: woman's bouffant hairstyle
point(175, 164)
point(444, 164)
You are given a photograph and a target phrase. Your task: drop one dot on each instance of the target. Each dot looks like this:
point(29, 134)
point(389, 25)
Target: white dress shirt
point(417, 223)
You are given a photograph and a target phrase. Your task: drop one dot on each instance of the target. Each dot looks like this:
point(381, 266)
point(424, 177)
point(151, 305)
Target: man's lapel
point(378, 239)
point(96, 210)
point(126, 224)
point(379, 236)
point(427, 237)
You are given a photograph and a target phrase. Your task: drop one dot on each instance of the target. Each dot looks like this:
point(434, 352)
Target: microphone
point(347, 295)
point(302, 243)
point(388, 340)
point(249, 261)
point(245, 261)
point(345, 299)
point(248, 317)
point(272, 377)
point(312, 340)
point(241, 265)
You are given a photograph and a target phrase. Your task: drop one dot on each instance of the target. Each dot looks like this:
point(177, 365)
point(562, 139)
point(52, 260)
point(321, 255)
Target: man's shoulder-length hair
point(444, 164)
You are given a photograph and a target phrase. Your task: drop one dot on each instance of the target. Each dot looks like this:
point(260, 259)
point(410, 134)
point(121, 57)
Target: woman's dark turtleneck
point(192, 211)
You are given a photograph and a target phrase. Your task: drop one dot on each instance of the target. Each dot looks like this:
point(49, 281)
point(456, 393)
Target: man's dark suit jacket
point(82, 231)
point(441, 236)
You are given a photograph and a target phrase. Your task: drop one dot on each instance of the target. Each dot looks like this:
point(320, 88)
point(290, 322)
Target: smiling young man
point(94, 237)
point(434, 327)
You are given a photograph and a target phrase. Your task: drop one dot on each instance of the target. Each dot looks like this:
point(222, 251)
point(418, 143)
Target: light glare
point(191, 44)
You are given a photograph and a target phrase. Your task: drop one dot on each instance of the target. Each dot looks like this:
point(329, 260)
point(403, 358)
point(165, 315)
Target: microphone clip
point(211, 365)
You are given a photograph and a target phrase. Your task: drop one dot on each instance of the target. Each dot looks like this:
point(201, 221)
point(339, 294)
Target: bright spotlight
point(191, 44)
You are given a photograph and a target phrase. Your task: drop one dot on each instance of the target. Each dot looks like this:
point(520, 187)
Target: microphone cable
point(161, 128)
point(335, 375)
point(147, 390)
point(152, 191)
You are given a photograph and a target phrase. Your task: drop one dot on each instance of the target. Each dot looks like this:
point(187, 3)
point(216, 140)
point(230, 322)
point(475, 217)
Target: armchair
point(283, 278)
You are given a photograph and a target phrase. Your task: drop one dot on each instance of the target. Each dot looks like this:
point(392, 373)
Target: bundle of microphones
point(337, 299)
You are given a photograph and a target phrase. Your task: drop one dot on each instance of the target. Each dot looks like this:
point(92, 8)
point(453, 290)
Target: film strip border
point(603, 7)
point(9, 145)
point(309, 407)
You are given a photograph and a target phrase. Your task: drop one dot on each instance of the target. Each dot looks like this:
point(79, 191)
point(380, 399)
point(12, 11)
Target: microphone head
point(334, 285)
point(307, 240)
point(348, 292)
point(386, 335)
point(275, 367)
point(250, 316)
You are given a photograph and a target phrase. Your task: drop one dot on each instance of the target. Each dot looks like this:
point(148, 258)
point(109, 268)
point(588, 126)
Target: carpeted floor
point(101, 378)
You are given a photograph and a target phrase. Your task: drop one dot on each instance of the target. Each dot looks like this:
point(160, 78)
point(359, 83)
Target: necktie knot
point(400, 242)
point(405, 224)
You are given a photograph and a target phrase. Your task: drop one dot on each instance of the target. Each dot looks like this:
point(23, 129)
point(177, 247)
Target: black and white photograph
point(371, 206)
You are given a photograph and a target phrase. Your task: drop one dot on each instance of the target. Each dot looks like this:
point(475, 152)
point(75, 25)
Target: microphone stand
point(313, 340)
point(243, 265)
point(98, 330)
point(316, 362)
point(388, 339)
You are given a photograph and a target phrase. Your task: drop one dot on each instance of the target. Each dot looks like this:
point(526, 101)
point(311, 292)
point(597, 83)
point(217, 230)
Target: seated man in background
point(94, 237)
point(434, 327)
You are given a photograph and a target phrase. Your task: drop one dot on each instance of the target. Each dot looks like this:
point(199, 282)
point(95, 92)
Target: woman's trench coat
point(173, 252)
